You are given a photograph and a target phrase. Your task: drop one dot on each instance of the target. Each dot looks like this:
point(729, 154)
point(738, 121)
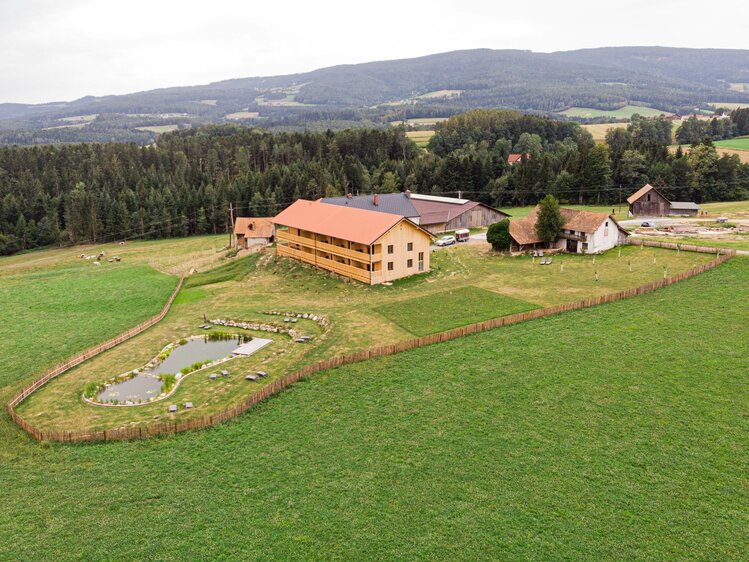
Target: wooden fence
point(77, 360)
point(165, 428)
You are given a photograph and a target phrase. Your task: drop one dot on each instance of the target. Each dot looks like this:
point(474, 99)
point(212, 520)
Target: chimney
point(408, 193)
point(376, 200)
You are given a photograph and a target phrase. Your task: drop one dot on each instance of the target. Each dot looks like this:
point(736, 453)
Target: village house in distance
point(433, 213)
point(584, 232)
point(369, 246)
point(254, 231)
point(649, 202)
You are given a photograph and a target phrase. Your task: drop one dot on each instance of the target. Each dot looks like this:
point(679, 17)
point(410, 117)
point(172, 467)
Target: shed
point(254, 231)
point(648, 202)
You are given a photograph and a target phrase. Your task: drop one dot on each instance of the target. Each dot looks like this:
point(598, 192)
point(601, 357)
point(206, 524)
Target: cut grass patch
point(625, 112)
point(739, 143)
point(618, 432)
point(450, 309)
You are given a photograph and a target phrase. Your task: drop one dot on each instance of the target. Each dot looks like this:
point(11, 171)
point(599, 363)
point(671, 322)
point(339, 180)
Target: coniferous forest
point(185, 182)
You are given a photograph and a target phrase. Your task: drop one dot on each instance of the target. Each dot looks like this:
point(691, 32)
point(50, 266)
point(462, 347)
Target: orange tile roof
point(514, 158)
point(523, 231)
point(262, 227)
point(347, 223)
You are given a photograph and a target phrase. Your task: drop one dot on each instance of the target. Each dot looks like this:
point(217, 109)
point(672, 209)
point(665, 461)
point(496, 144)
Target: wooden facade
point(401, 251)
point(649, 202)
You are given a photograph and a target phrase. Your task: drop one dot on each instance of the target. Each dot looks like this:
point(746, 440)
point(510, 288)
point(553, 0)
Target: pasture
point(158, 129)
point(421, 138)
point(743, 154)
point(625, 112)
point(243, 115)
point(610, 433)
point(467, 284)
point(599, 130)
point(738, 143)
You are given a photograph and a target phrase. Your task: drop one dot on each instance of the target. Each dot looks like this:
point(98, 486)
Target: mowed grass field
point(442, 311)
point(421, 138)
point(622, 113)
point(618, 432)
point(739, 143)
point(246, 288)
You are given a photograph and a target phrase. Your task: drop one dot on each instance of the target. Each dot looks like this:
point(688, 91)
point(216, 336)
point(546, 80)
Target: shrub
point(550, 220)
point(498, 235)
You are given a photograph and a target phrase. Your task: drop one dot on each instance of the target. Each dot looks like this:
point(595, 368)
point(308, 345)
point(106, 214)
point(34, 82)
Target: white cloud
point(54, 50)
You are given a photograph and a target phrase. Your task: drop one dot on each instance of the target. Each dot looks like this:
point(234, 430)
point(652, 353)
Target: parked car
point(446, 241)
point(650, 224)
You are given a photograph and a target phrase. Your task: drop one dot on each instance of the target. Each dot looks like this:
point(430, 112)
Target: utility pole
point(231, 224)
point(620, 199)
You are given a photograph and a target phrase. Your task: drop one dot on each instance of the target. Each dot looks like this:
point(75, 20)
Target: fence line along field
point(560, 409)
point(246, 288)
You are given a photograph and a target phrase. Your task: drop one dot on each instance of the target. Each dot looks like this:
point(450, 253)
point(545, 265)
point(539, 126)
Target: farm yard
point(572, 442)
point(470, 284)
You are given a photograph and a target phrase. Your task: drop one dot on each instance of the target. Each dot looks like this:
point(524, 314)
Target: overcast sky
point(65, 49)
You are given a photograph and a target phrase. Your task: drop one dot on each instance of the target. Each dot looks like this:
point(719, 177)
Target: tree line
point(185, 182)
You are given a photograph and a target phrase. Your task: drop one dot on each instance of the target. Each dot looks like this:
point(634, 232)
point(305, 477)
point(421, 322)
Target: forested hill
point(375, 93)
point(185, 182)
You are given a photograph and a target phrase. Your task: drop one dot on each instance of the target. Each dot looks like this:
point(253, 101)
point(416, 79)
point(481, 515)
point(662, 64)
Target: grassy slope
point(738, 242)
point(740, 143)
point(42, 323)
point(244, 288)
point(442, 311)
point(621, 113)
point(610, 433)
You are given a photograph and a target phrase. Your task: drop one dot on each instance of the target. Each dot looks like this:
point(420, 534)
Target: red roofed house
point(513, 159)
point(254, 231)
point(584, 232)
point(369, 246)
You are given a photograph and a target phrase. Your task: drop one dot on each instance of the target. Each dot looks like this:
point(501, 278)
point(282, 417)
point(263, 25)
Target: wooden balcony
point(362, 257)
point(331, 265)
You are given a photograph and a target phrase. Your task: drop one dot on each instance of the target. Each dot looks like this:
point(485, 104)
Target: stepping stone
point(250, 378)
point(188, 405)
point(224, 373)
point(261, 374)
point(172, 409)
point(212, 376)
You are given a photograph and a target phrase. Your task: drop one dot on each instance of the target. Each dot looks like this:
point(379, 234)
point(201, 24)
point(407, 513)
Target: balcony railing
point(325, 263)
point(357, 255)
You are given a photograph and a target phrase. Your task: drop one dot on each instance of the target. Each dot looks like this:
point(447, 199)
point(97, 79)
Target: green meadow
point(617, 432)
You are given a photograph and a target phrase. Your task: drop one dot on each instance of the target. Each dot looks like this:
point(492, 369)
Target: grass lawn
point(622, 113)
point(421, 138)
point(728, 208)
point(442, 311)
point(621, 213)
point(245, 288)
point(739, 143)
point(618, 432)
point(736, 242)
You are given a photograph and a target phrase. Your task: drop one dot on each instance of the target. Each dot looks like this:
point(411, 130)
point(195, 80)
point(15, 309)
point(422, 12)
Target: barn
point(649, 202)
point(434, 213)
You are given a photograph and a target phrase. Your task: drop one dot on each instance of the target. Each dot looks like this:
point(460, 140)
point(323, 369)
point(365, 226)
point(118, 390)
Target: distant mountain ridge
point(372, 94)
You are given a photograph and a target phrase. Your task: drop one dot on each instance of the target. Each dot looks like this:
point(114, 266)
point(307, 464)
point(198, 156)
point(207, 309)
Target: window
point(421, 261)
point(410, 247)
point(607, 224)
point(390, 266)
point(410, 263)
point(648, 196)
point(390, 248)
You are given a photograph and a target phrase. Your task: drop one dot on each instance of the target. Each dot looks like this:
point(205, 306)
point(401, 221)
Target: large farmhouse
point(649, 202)
point(584, 232)
point(371, 247)
point(253, 231)
point(433, 213)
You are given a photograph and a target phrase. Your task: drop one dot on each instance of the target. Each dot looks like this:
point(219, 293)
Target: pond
point(146, 384)
point(193, 351)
